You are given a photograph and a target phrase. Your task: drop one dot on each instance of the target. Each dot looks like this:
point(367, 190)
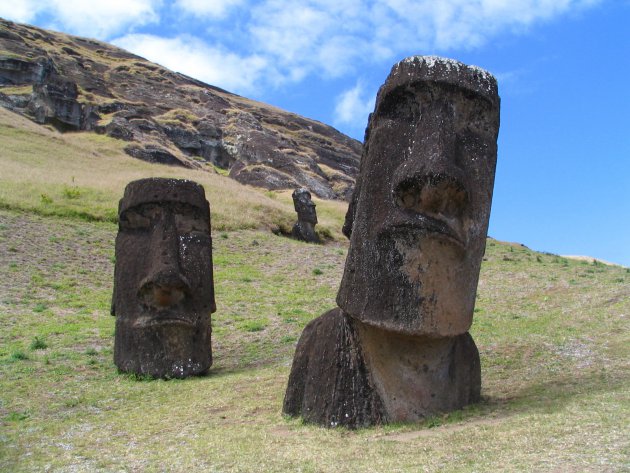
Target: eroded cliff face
point(75, 84)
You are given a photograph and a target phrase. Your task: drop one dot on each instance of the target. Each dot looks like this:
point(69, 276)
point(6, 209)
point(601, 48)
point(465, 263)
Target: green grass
point(554, 366)
point(552, 334)
point(38, 344)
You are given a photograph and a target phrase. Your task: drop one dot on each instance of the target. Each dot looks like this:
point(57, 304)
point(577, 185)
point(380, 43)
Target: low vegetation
point(83, 175)
point(552, 333)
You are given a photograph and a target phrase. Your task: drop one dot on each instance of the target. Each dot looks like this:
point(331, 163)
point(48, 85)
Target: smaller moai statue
point(163, 282)
point(304, 228)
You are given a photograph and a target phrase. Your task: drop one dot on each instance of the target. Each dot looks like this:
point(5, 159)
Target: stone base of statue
point(304, 231)
point(346, 373)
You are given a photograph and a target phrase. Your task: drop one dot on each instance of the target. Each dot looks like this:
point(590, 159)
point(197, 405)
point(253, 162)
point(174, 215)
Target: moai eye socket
point(400, 104)
point(190, 222)
point(140, 217)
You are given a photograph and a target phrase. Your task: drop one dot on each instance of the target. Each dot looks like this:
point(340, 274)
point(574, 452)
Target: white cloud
point(353, 107)
point(208, 8)
point(95, 19)
point(23, 11)
point(451, 24)
point(333, 38)
point(102, 19)
point(288, 30)
point(196, 58)
point(273, 42)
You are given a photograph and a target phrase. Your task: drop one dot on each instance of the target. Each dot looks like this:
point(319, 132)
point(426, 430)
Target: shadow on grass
point(543, 397)
point(552, 394)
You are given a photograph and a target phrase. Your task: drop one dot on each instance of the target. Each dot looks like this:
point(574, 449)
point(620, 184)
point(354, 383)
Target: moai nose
point(166, 239)
point(165, 286)
point(431, 181)
point(164, 290)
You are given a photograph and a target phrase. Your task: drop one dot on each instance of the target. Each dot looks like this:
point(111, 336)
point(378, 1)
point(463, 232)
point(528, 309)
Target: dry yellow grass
point(38, 166)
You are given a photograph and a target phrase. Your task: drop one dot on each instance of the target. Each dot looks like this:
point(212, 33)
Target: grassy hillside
point(83, 175)
point(552, 333)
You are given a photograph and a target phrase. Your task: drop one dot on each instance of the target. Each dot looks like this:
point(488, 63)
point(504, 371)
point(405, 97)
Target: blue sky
point(563, 66)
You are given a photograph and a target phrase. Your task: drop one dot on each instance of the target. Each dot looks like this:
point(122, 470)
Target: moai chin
point(304, 228)
point(163, 283)
point(417, 225)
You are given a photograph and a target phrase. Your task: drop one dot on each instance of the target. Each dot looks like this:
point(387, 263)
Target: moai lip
point(163, 280)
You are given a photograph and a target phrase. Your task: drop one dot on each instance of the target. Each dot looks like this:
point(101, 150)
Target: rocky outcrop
point(55, 101)
point(75, 83)
point(18, 71)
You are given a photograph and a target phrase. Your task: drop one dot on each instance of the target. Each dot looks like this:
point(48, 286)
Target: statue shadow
point(548, 396)
point(545, 397)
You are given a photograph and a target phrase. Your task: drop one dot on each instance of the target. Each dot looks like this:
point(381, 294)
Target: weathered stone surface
point(21, 71)
point(329, 382)
point(354, 375)
point(304, 228)
point(416, 377)
point(119, 128)
point(163, 281)
point(56, 102)
point(419, 216)
point(417, 224)
point(129, 98)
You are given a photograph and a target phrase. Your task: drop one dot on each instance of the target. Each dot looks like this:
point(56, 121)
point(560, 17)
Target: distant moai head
point(163, 284)
point(304, 206)
point(419, 216)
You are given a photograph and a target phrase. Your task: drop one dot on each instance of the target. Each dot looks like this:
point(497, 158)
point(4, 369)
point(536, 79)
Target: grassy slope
point(553, 337)
point(83, 175)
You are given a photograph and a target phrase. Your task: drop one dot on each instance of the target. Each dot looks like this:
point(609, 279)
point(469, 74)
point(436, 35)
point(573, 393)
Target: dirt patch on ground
point(41, 256)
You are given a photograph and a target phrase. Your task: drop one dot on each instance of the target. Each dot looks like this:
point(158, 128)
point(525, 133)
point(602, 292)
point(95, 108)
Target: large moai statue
point(304, 228)
point(398, 348)
point(163, 284)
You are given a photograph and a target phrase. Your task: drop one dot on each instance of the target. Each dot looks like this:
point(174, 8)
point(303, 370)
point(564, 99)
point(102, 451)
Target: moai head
point(304, 206)
point(420, 212)
point(163, 286)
